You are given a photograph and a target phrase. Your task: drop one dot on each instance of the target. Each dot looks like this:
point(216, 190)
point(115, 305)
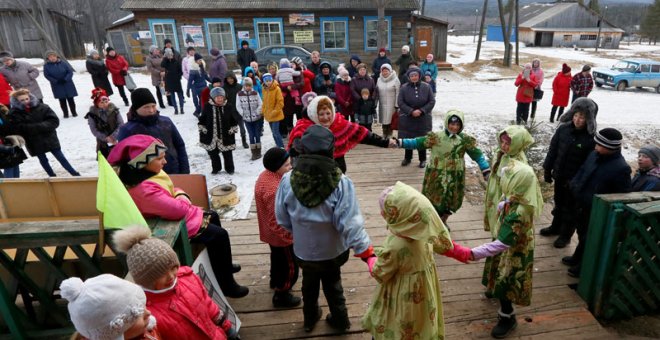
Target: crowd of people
point(307, 207)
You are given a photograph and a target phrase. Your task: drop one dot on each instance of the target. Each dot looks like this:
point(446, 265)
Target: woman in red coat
point(526, 82)
point(118, 68)
point(561, 88)
point(5, 89)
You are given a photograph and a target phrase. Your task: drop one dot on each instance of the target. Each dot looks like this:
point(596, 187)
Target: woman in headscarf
point(416, 102)
point(388, 86)
point(347, 134)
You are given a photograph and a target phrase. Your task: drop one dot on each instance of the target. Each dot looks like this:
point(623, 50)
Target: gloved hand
point(501, 205)
point(123, 72)
point(371, 261)
point(460, 253)
point(486, 174)
point(547, 176)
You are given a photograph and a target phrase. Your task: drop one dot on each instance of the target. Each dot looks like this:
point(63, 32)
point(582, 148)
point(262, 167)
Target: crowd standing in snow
point(306, 205)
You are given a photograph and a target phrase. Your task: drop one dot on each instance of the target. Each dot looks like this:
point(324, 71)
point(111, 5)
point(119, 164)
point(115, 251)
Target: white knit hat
point(103, 307)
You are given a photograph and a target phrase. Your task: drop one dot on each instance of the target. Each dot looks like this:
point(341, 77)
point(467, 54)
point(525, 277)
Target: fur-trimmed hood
point(590, 110)
point(34, 102)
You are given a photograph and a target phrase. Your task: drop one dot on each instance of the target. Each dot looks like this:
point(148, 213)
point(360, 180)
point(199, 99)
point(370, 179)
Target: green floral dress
point(444, 178)
point(508, 275)
point(407, 303)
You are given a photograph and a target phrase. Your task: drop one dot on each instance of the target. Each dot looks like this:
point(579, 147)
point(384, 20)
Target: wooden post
point(481, 29)
point(517, 32)
point(101, 246)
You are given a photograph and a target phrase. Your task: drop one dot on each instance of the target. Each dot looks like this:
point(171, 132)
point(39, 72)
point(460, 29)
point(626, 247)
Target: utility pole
point(508, 52)
point(95, 29)
point(600, 27)
point(476, 18)
point(517, 38)
point(382, 28)
point(481, 29)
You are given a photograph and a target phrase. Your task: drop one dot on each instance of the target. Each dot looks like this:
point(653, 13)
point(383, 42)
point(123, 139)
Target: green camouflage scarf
point(314, 178)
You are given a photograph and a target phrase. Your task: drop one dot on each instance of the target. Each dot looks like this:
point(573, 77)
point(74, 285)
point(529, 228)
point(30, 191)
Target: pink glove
point(459, 253)
point(371, 262)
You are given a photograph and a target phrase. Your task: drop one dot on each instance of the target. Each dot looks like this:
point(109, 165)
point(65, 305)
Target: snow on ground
point(489, 106)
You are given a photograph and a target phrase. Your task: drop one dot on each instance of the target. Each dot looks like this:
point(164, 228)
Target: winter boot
point(126, 102)
point(505, 324)
point(285, 300)
point(176, 111)
point(245, 144)
point(340, 325)
point(253, 149)
point(233, 289)
point(182, 110)
point(311, 320)
point(258, 150)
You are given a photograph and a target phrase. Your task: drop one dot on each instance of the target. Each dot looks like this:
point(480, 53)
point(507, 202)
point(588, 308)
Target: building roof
point(432, 19)
point(297, 5)
point(121, 21)
point(535, 13)
point(577, 29)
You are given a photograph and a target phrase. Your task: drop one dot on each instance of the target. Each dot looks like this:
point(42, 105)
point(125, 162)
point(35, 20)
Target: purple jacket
point(218, 66)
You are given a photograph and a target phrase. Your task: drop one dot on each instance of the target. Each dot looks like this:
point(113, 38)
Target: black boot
point(340, 325)
point(505, 324)
point(549, 231)
point(232, 289)
point(561, 242)
point(310, 321)
point(285, 300)
point(245, 144)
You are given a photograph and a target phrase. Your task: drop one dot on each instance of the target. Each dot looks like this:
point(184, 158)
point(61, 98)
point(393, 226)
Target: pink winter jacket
point(155, 197)
point(186, 311)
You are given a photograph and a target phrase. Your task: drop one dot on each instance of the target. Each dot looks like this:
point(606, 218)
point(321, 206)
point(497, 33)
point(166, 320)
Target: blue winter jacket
point(164, 129)
point(60, 76)
point(197, 81)
point(431, 67)
point(256, 84)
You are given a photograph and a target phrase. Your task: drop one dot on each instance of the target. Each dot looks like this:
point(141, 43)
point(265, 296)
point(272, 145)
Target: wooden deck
point(556, 311)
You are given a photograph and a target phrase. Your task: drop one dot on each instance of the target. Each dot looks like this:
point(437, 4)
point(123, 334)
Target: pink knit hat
point(137, 151)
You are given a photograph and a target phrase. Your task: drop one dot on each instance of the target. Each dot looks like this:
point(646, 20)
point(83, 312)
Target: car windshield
point(625, 66)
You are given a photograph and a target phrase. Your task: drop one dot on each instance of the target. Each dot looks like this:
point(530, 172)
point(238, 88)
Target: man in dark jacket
point(569, 148)
point(647, 177)
point(403, 62)
point(144, 119)
point(245, 56)
point(315, 65)
point(604, 172)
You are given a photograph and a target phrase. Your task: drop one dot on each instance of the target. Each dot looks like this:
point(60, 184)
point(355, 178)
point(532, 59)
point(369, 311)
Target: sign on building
point(301, 19)
point(303, 37)
point(192, 36)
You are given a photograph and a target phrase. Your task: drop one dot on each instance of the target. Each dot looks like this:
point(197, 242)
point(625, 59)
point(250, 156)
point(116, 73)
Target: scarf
point(347, 134)
point(314, 178)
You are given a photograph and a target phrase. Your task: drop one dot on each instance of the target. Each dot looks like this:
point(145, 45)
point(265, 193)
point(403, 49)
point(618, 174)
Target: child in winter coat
point(561, 90)
point(139, 161)
point(285, 79)
point(647, 177)
point(283, 267)
point(104, 120)
point(537, 71)
point(428, 78)
point(429, 66)
point(253, 74)
point(317, 204)
point(407, 302)
point(98, 314)
point(444, 179)
point(366, 109)
point(249, 106)
point(344, 94)
point(175, 295)
point(526, 83)
point(217, 128)
point(272, 107)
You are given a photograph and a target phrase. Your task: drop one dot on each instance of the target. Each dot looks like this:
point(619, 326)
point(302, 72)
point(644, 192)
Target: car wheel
point(599, 85)
point(638, 87)
point(657, 89)
point(621, 86)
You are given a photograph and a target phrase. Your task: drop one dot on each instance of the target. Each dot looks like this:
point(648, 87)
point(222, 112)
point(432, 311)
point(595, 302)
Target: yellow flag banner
point(114, 201)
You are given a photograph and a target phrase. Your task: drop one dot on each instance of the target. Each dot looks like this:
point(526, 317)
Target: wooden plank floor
point(556, 309)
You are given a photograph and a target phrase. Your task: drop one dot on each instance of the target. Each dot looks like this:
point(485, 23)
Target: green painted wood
point(10, 314)
point(92, 267)
point(48, 233)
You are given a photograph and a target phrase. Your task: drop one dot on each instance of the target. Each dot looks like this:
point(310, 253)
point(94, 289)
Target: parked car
point(274, 53)
point(629, 73)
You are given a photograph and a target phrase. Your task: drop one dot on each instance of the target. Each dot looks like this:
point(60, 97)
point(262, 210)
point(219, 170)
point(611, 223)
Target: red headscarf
point(98, 94)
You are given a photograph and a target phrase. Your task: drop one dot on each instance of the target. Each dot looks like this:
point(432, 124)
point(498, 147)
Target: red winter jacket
point(522, 84)
point(309, 80)
point(561, 89)
point(344, 97)
point(5, 89)
point(186, 311)
point(115, 66)
point(205, 96)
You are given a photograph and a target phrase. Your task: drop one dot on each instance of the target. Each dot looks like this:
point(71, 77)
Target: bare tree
point(481, 29)
point(382, 25)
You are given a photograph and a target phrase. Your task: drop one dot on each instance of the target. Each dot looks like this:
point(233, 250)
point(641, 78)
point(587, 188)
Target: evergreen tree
point(593, 5)
point(651, 23)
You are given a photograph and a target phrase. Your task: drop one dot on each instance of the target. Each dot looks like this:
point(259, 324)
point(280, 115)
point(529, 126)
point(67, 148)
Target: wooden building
point(561, 24)
point(19, 35)
point(338, 29)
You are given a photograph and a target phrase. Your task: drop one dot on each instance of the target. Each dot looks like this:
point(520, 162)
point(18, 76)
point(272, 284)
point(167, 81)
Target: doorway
point(424, 41)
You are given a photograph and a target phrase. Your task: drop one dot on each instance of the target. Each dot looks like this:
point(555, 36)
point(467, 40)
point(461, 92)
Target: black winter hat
point(198, 56)
point(109, 48)
point(141, 97)
point(166, 41)
point(318, 140)
point(274, 158)
point(216, 80)
point(609, 138)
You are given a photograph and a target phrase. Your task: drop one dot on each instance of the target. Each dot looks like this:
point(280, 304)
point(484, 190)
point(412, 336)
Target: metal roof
point(538, 12)
point(576, 29)
point(297, 5)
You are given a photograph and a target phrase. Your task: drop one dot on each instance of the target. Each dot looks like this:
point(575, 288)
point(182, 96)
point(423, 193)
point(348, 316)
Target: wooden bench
point(49, 231)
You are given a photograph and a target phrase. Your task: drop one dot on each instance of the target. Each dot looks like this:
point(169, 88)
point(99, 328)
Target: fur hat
point(318, 140)
point(141, 97)
point(412, 70)
point(405, 48)
point(652, 152)
point(98, 94)
point(4, 55)
point(586, 106)
point(274, 158)
point(609, 138)
point(217, 91)
point(307, 97)
point(103, 307)
point(152, 48)
point(312, 108)
point(168, 52)
point(565, 68)
point(136, 151)
point(49, 52)
point(215, 52)
point(148, 258)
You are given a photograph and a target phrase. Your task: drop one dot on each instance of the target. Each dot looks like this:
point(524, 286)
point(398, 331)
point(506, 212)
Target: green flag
point(112, 199)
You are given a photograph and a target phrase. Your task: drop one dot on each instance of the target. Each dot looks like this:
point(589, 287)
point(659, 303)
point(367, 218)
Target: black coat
point(569, 148)
point(244, 57)
point(227, 126)
point(173, 74)
point(38, 126)
point(99, 74)
point(648, 180)
point(609, 174)
point(415, 96)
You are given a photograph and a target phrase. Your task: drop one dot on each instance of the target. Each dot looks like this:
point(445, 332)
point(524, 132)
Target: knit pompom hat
point(317, 104)
point(609, 138)
point(267, 77)
point(565, 68)
point(103, 307)
point(148, 258)
point(307, 98)
point(136, 151)
point(98, 94)
point(387, 66)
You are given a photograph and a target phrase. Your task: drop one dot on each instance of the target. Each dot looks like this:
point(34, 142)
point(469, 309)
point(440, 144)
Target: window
point(371, 33)
point(587, 37)
point(162, 29)
point(655, 68)
point(645, 68)
point(220, 34)
point(334, 34)
point(269, 31)
point(568, 38)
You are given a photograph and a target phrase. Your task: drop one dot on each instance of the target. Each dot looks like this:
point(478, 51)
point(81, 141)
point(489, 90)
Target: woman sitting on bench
point(140, 160)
